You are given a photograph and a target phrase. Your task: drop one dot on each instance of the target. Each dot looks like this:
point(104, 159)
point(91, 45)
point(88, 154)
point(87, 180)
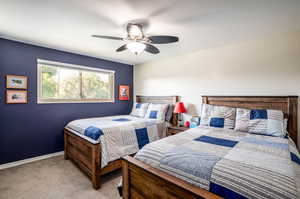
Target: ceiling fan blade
point(151, 49)
point(107, 37)
point(162, 39)
point(124, 47)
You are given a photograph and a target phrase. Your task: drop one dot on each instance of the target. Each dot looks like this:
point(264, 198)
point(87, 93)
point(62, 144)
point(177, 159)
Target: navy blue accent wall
point(29, 130)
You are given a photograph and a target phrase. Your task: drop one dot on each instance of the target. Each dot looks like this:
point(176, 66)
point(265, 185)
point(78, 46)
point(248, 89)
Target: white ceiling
point(200, 24)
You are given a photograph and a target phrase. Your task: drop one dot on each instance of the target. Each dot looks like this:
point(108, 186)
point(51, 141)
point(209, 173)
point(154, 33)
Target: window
point(66, 83)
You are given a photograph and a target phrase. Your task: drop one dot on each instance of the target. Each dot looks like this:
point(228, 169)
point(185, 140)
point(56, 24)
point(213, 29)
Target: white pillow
point(260, 121)
point(139, 109)
point(217, 116)
point(157, 111)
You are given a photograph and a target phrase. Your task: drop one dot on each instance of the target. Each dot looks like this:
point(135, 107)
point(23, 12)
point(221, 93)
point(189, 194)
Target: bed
point(96, 157)
point(154, 167)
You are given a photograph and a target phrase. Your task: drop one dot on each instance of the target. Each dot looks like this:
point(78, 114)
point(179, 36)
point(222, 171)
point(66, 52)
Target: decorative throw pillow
point(217, 116)
point(139, 109)
point(285, 126)
point(157, 111)
point(260, 121)
point(169, 113)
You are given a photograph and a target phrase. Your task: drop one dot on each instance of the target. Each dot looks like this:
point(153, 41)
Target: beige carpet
point(54, 178)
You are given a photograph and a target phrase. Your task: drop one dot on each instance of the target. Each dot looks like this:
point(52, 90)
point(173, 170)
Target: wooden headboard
point(287, 104)
point(160, 100)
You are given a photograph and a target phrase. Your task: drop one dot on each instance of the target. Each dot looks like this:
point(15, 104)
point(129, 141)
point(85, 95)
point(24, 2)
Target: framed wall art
point(124, 93)
point(16, 97)
point(16, 81)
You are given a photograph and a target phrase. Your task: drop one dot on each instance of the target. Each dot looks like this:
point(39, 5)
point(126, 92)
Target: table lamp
point(179, 108)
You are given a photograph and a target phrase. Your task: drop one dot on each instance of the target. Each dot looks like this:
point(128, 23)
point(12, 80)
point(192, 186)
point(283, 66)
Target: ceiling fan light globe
point(136, 47)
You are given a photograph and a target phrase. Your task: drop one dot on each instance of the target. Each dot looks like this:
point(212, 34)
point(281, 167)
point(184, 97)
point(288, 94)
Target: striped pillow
point(139, 109)
point(217, 116)
point(260, 121)
point(157, 111)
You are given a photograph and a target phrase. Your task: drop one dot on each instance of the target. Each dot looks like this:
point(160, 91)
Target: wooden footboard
point(143, 181)
point(87, 157)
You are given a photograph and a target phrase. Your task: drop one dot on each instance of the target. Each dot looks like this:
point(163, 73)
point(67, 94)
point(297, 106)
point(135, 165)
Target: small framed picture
point(124, 92)
point(16, 97)
point(16, 81)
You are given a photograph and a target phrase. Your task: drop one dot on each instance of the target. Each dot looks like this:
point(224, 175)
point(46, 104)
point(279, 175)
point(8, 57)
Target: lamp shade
point(179, 108)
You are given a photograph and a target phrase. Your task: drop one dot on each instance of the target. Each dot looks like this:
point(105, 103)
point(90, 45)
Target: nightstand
point(172, 130)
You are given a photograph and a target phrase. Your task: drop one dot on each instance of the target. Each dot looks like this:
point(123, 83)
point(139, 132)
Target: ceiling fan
point(138, 42)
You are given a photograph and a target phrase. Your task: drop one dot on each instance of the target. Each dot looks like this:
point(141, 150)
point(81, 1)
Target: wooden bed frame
point(143, 181)
point(87, 156)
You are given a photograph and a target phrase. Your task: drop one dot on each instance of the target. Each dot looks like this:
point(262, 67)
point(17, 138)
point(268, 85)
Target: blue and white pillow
point(157, 111)
point(260, 121)
point(139, 109)
point(217, 116)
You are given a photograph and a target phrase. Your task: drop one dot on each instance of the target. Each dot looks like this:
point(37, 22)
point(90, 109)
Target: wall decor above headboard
point(287, 104)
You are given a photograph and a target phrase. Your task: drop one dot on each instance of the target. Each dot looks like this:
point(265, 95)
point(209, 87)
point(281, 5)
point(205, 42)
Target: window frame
point(40, 100)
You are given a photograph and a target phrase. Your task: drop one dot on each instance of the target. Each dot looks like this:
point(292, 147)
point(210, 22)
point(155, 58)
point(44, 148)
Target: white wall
point(266, 66)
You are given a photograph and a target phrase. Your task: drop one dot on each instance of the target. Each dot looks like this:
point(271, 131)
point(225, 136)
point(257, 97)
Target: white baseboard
point(25, 161)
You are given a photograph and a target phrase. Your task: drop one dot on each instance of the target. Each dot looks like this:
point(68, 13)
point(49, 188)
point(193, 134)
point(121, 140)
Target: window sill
point(73, 101)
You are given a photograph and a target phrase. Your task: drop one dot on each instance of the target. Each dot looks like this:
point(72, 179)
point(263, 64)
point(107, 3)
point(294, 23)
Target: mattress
point(119, 135)
point(228, 163)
